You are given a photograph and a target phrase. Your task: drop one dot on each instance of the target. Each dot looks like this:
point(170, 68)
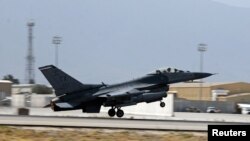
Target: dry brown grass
point(57, 134)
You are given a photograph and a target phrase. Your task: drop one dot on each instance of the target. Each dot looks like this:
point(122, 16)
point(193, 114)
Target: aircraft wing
point(120, 93)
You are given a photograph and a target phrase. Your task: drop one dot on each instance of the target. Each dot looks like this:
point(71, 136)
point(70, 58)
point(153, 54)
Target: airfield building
point(5, 89)
point(230, 91)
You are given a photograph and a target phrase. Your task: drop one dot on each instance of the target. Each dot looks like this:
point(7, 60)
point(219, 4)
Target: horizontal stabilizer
point(65, 105)
point(47, 106)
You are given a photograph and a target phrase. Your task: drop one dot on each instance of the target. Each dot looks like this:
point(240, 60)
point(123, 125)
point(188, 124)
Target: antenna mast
point(30, 73)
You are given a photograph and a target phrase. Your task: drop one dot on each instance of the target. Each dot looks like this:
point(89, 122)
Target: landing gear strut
point(162, 104)
point(119, 112)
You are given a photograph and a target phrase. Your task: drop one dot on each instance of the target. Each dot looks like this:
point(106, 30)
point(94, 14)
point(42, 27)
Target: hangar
point(217, 91)
point(5, 89)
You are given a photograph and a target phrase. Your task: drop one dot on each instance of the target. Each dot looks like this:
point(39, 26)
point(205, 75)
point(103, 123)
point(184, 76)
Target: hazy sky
point(117, 40)
point(239, 3)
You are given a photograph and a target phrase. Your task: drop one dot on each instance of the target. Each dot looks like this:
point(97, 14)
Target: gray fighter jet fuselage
point(72, 94)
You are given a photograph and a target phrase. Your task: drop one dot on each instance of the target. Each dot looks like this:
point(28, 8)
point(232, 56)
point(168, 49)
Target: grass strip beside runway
point(66, 134)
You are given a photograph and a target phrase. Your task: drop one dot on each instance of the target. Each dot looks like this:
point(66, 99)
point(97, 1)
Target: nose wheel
point(162, 104)
point(119, 112)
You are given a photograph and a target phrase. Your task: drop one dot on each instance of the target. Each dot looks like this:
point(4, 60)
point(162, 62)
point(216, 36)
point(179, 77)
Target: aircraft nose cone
point(202, 75)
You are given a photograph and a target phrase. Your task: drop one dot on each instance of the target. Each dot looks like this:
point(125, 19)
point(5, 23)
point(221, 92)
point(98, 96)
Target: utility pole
point(30, 73)
point(201, 48)
point(56, 41)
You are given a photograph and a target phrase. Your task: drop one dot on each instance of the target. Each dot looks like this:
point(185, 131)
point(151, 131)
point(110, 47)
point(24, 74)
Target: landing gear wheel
point(162, 104)
point(111, 112)
point(119, 113)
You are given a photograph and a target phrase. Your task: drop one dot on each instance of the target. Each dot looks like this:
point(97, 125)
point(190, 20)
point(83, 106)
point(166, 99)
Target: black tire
point(111, 112)
point(162, 104)
point(119, 113)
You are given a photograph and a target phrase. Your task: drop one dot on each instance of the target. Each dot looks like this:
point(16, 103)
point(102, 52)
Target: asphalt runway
point(108, 123)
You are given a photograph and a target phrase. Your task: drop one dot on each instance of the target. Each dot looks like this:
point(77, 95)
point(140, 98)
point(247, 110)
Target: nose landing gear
point(162, 104)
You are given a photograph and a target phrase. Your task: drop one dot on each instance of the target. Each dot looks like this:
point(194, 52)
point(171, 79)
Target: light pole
point(56, 41)
point(201, 48)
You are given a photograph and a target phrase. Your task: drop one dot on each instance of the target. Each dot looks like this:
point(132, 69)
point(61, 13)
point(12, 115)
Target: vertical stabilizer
point(60, 81)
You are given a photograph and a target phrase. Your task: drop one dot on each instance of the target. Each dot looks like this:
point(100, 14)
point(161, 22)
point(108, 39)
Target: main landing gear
point(119, 113)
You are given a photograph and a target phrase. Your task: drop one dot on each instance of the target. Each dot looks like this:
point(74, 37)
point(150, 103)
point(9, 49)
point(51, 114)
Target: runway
point(108, 123)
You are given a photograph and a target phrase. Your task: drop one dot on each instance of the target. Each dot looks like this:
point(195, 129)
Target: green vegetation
point(41, 89)
point(11, 78)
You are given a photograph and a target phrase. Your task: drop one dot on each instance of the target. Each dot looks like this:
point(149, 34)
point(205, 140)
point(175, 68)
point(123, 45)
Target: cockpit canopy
point(168, 70)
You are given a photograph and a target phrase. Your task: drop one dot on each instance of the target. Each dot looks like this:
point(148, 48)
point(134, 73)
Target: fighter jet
point(72, 94)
